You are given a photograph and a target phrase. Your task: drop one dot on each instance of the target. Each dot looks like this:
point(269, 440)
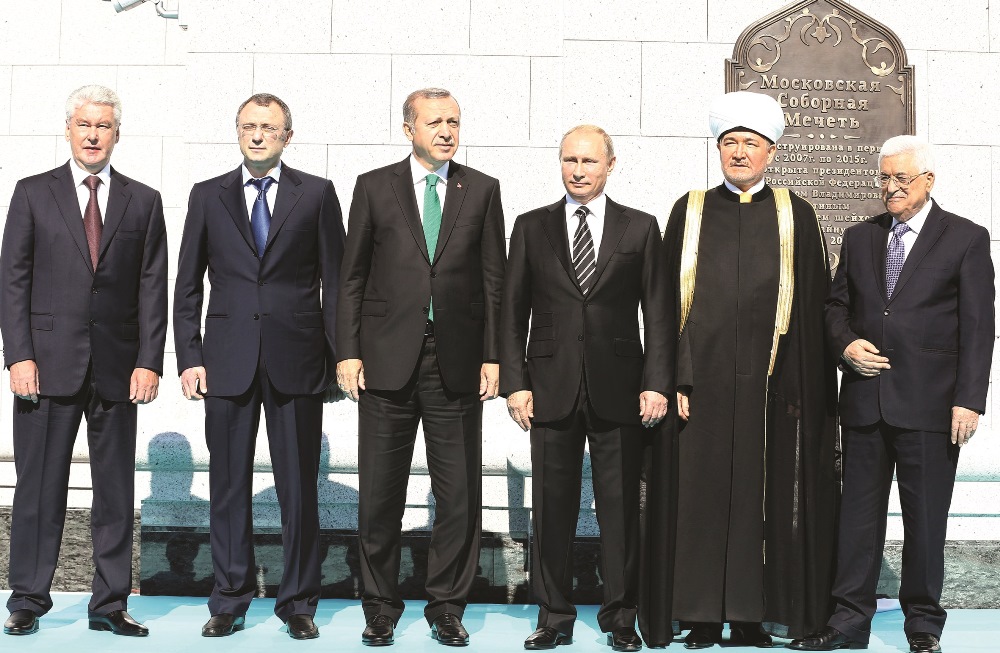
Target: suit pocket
point(541, 320)
point(374, 307)
point(543, 333)
point(41, 321)
point(541, 348)
point(216, 316)
point(130, 331)
point(122, 234)
point(932, 350)
point(628, 348)
point(309, 320)
point(625, 257)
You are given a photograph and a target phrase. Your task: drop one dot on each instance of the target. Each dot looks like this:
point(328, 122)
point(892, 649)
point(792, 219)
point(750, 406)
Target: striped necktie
point(584, 262)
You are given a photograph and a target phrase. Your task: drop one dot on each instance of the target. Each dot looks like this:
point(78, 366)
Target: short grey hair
point(410, 111)
point(609, 146)
point(94, 94)
point(266, 100)
point(906, 144)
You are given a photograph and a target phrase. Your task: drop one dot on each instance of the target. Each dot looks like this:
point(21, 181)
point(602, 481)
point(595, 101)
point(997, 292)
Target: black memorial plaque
point(845, 87)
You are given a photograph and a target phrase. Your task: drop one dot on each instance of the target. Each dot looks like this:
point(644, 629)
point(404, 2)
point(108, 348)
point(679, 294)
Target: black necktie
point(584, 261)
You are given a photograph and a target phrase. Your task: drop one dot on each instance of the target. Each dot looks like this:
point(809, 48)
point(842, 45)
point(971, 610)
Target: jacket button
point(93, 323)
point(886, 312)
point(425, 310)
point(580, 337)
point(256, 316)
point(260, 283)
point(434, 275)
point(94, 290)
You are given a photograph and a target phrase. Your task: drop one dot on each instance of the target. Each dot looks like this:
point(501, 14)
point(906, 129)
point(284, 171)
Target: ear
point(408, 131)
point(611, 163)
point(288, 137)
point(118, 134)
point(772, 150)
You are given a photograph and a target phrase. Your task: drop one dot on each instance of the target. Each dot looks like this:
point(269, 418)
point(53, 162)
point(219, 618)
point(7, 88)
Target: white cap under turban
point(744, 109)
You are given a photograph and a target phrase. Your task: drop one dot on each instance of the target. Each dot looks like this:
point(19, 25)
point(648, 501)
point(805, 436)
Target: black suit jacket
point(281, 307)
point(937, 330)
point(62, 314)
point(387, 279)
point(597, 334)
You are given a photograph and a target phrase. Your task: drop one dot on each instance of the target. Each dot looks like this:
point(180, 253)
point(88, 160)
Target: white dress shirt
point(595, 220)
point(250, 191)
point(916, 223)
point(756, 188)
point(420, 173)
point(83, 193)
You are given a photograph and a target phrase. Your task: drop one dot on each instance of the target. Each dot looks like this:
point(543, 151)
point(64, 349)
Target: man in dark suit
point(581, 376)
point(84, 318)
point(417, 340)
point(910, 313)
point(272, 240)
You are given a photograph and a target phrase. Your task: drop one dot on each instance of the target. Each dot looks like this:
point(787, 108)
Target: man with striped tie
point(580, 269)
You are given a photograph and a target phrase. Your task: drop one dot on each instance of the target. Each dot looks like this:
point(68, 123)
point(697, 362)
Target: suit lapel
point(452, 205)
point(933, 227)
point(232, 197)
point(406, 197)
point(554, 226)
point(64, 192)
point(288, 195)
point(118, 198)
point(879, 242)
point(615, 223)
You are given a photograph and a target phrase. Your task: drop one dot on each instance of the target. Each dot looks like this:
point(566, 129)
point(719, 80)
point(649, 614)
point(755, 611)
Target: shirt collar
point(420, 173)
point(756, 188)
point(274, 173)
point(79, 174)
point(916, 223)
point(597, 206)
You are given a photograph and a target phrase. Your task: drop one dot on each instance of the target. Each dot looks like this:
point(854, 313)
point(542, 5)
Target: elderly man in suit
point(84, 318)
point(417, 338)
point(910, 314)
point(581, 269)
point(271, 238)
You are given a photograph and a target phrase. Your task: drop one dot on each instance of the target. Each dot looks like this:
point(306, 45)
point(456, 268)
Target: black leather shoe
point(749, 634)
point(924, 643)
point(624, 639)
point(120, 623)
point(378, 632)
point(221, 625)
point(703, 636)
point(544, 638)
point(448, 630)
point(302, 626)
point(21, 622)
point(828, 639)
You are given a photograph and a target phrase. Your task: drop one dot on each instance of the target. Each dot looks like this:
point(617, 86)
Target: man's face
point(904, 203)
point(92, 134)
point(263, 136)
point(745, 156)
point(434, 133)
point(585, 165)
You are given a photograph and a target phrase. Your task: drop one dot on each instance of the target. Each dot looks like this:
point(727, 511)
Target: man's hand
point(351, 377)
point(683, 405)
point(963, 425)
point(24, 380)
point(144, 386)
point(521, 406)
point(652, 407)
point(489, 381)
point(194, 383)
point(333, 394)
point(862, 356)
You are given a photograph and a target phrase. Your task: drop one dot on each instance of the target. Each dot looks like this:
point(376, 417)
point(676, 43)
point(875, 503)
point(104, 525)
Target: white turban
point(743, 109)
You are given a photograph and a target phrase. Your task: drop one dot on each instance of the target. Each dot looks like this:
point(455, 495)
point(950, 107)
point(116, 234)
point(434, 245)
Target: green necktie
point(432, 223)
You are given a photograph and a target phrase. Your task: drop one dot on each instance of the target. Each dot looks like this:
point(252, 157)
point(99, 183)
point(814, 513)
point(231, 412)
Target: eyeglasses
point(902, 181)
point(270, 132)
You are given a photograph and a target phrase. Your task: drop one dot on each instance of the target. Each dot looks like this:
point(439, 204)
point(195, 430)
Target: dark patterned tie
point(584, 261)
point(260, 217)
point(894, 257)
point(92, 223)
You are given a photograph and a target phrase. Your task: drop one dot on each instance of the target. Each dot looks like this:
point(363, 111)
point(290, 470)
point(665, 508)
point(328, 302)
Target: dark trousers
point(294, 432)
point(43, 448)
point(556, 467)
point(453, 435)
point(925, 465)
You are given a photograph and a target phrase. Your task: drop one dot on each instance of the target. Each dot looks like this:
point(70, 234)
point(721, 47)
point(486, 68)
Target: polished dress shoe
point(21, 622)
point(546, 637)
point(448, 630)
point(703, 636)
point(624, 639)
point(222, 624)
point(924, 643)
point(828, 639)
point(749, 634)
point(378, 631)
point(118, 622)
point(302, 626)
